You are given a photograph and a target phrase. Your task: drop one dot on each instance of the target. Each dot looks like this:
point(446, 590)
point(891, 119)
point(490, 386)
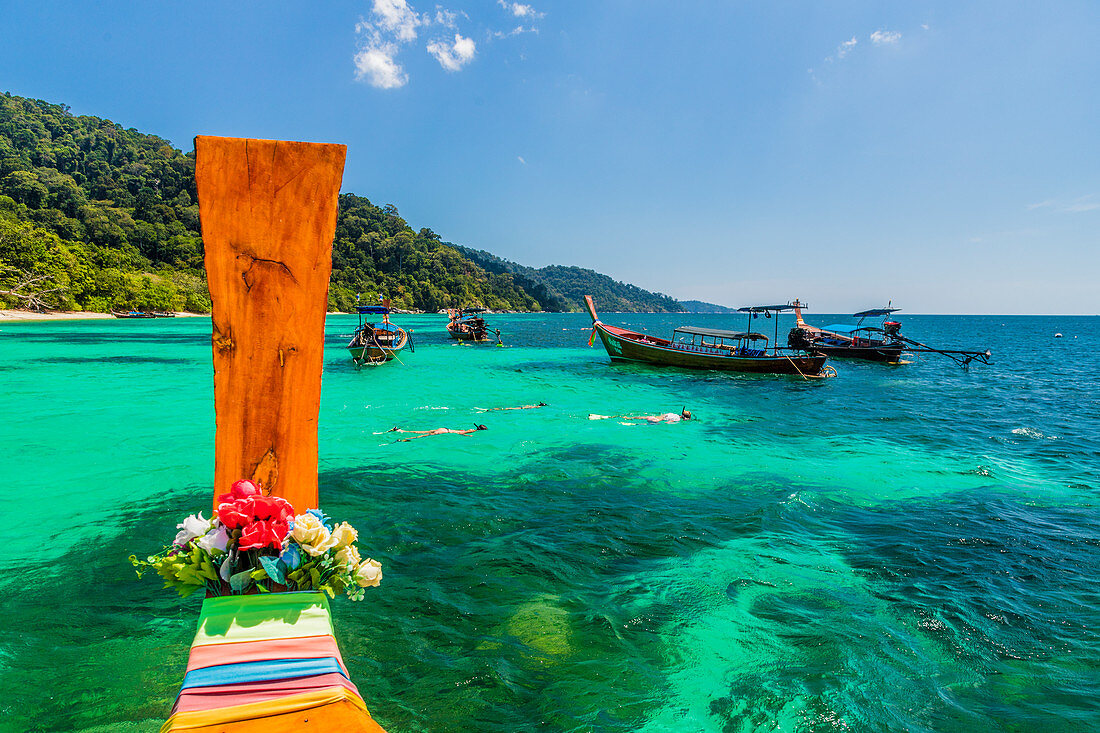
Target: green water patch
point(582, 599)
point(901, 548)
point(888, 618)
point(68, 337)
point(86, 643)
point(83, 360)
point(510, 585)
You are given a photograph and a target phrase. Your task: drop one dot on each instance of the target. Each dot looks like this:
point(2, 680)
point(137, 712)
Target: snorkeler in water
point(521, 407)
point(427, 433)
point(669, 417)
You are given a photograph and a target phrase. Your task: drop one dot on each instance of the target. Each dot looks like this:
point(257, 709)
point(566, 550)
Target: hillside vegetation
point(97, 217)
point(699, 306)
point(562, 288)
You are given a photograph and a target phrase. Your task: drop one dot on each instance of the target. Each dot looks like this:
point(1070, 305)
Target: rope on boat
point(380, 360)
point(795, 366)
point(827, 371)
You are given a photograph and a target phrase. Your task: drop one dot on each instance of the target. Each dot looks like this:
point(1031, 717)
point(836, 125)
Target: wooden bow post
point(268, 211)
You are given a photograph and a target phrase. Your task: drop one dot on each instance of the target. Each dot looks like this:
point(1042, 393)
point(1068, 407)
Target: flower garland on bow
point(256, 543)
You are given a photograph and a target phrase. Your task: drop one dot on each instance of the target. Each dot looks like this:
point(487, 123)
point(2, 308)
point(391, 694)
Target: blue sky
point(944, 155)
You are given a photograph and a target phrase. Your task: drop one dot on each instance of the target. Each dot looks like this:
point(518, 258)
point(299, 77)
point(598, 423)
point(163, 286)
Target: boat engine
point(891, 329)
point(800, 338)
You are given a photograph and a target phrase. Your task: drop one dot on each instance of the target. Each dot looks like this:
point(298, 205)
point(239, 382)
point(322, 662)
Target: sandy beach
point(18, 315)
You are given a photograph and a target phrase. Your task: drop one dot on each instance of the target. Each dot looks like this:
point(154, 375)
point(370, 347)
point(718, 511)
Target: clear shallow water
point(901, 548)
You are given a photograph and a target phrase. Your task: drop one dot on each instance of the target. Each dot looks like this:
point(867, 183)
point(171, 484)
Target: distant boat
point(1057, 335)
point(709, 348)
point(374, 343)
point(467, 325)
point(870, 342)
point(143, 314)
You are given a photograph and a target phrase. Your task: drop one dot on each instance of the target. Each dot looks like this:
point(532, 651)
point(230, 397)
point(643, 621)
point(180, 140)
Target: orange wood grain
point(268, 213)
point(336, 717)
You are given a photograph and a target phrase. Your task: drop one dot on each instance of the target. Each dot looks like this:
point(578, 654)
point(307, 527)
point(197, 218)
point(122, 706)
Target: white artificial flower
point(311, 535)
point(344, 535)
point(216, 539)
point(348, 556)
point(369, 573)
point(191, 527)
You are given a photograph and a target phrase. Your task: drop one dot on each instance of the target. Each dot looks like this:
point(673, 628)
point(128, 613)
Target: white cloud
point(845, 48)
point(453, 56)
point(1076, 206)
point(520, 10)
point(397, 18)
point(883, 38)
point(377, 66)
point(1082, 205)
point(515, 31)
point(446, 18)
point(393, 24)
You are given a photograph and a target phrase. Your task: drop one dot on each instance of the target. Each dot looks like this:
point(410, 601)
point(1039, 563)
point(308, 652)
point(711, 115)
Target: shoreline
point(18, 316)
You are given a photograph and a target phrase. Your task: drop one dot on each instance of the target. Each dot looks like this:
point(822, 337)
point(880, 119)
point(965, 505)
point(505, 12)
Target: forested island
point(96, 217)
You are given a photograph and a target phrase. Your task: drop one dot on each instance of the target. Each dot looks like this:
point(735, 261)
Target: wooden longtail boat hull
point(268, 662)
point(376, 353)
point(627, 346)
point(890, 354)
point(462, 334)
point(856, 344)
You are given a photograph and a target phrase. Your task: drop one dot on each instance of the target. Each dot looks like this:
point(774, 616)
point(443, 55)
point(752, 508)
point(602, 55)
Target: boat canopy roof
point(717, 333)
point(849, 328)
point(875, 312)
point(774, 308)
point(374, 309)
point(475, 309)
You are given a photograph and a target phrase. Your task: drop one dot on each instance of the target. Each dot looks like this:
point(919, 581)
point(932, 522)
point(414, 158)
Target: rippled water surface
point(901, 548)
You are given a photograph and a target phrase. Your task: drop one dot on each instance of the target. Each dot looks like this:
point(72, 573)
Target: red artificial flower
point(234, 514)
point(262, 534)
point(240, 490)
point(272, 507)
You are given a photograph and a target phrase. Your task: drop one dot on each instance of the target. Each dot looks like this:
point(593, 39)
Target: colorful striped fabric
point(267, 662)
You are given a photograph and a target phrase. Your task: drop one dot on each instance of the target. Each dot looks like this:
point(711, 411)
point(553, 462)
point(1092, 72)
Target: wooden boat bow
point(268, 662)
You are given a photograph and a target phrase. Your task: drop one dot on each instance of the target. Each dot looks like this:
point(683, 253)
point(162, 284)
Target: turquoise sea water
point(901, 548)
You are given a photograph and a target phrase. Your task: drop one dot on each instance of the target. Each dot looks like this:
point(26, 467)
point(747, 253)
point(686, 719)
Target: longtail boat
point(268, 661)
point(143, 314)
point(708, 348)
point(881, 341)
point(466, 324)
point(374, 343)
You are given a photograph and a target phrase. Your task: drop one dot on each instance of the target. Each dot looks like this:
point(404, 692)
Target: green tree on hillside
point(110, 214)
